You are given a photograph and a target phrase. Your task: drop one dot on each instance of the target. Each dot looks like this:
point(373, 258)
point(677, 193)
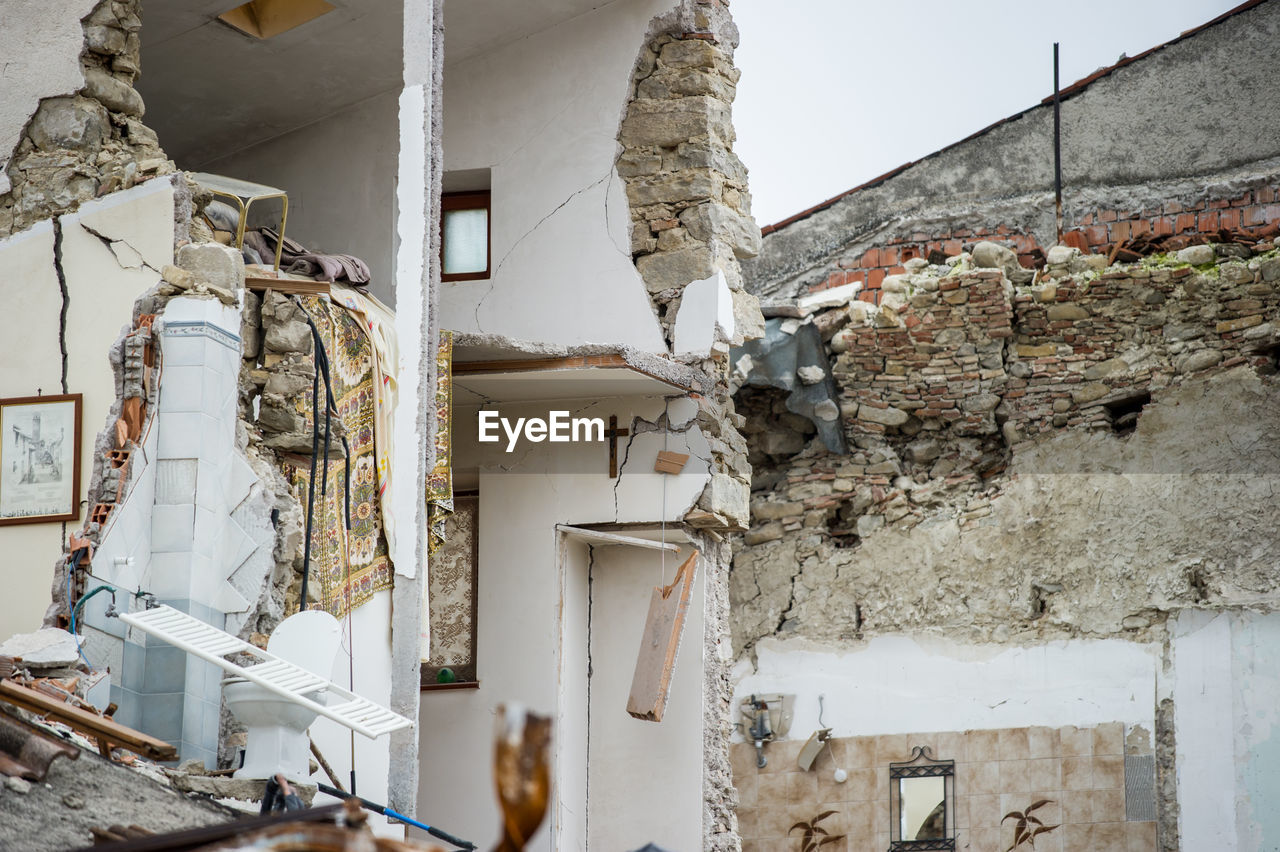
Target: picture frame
point(40, 459)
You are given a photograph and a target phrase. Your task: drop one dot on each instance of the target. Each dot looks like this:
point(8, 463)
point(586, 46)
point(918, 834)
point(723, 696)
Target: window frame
point(473, 200)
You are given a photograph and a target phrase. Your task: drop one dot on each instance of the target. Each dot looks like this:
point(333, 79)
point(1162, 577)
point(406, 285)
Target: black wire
point(321, 359)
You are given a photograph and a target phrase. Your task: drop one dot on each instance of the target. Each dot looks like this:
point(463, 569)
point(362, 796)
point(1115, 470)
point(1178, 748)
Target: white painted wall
point(102, 284)
point(542, 113)
point(340, 173)
point(42, 59)
point(532, 630)
point(1226, 692)
point(645, 777)
point(901, 684)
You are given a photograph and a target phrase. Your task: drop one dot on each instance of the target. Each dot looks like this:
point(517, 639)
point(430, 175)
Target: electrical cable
point(399, 817)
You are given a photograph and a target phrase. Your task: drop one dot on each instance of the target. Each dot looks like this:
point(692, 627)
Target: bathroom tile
point(1076, 742)
point(175, 481)
point(165, 670)
point(1108, 771)
point(1077, 773)
point(984, 811)
point(180, 435)
point(172, 528)
point(161, 716)
point(1043, 742)
point(1140, 837)
point(1108, 738)
point(192, 718)
point(1014, 744)
point(1077, 806)
point(892, 748)
point(181, 389)
point(951, 746)
point(979, 779)
point(859, 752)
point(802, 787)
point(1107, 805)
point(983, 745)
point(1015, 776)
point(1109, 837)
point(1044, 773)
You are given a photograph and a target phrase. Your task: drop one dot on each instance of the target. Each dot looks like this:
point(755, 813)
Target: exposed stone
point(669, 122)
point(114, 94)
point(1061, 255)
point(1202, 360)
point(674, 270)
point(885, 416)
point(1102, 369)
point(727, 496)
point(1196, 255)
point(708, 221)
point(213, 264)
point(811, 375)
point(1066, 311)
point(759, 535)
point(1088, 393)
point(292, 336)
point(244, 789)
point(69, 123)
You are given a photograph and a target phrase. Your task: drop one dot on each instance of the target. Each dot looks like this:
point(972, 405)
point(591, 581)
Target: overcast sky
point(836, 92)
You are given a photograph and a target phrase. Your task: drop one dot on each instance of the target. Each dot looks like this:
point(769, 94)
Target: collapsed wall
point(84, 144)
point(1076, 458)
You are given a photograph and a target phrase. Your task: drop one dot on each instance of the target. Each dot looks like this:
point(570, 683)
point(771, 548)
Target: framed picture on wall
point(39, 459)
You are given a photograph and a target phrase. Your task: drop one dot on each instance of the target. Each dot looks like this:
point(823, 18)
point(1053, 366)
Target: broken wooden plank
point(90, 724)
point(660, 643)
point(602, 537)
point(669, 462)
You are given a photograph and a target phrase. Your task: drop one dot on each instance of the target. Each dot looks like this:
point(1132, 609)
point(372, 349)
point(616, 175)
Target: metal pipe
point(1057, 145)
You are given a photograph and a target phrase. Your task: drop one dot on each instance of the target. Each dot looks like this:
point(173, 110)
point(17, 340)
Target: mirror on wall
point(922, 803)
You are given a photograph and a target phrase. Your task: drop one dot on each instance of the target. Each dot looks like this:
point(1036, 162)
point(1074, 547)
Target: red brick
point(1265, 194)
point(1208, 221)
point(1243, 201)
point(1107, 215)
point(1087, 220)
point(1271, 212)
point(952, 247)
point(1218, 204)
point(895, 270)
point(867, 296)
point(836, 279)
point(1184, 222)
point(870, 258)
point(1253, 216)
point(1229, 219)
point(909, 252)
point(1121, 231)
point(1097, 234)
point(888, 256)
point(1171, 207)
point(874, 277)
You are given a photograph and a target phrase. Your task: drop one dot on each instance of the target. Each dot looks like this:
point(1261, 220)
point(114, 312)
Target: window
point(464, 243)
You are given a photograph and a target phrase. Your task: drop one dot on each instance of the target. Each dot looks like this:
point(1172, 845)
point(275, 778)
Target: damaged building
point(276, 264)
point(1010, 581)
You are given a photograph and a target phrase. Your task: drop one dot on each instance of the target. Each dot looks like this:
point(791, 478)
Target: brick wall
point(1096, 232)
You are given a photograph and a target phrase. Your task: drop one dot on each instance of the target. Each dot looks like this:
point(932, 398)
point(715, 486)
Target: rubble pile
point(957, 375)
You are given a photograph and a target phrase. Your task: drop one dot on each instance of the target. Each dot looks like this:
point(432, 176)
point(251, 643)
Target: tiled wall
point(1081, 770)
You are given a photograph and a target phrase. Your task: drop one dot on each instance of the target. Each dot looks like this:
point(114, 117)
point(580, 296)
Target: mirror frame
point(922, 765)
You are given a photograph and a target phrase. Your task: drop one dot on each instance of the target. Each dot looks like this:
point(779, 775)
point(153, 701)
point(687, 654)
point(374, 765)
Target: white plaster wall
point(645, 777)
point(542, 113)
point(532, 617)
point(41, 44)
point(372, 672)
point(1226, 690)
point(340, 173)
point(102, 283)
point(900, 684)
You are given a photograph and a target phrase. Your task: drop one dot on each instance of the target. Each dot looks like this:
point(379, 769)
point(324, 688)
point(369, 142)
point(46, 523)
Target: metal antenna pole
point(1057, 145)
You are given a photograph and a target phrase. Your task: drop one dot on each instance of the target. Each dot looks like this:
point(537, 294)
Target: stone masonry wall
point(1079, 457)
point(691, 220)
point(1096, 230)
point(84, 145)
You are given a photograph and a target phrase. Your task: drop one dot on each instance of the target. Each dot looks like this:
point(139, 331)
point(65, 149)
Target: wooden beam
point(297, 286)
point(104, 730)
point(527, 365)
point(660, 643)
point(613, 538)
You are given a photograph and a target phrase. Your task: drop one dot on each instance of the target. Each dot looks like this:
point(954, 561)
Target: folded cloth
point(331, 267)
point(297, 259)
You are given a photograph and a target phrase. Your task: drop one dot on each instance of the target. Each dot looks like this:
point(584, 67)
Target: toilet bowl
point(277, 727)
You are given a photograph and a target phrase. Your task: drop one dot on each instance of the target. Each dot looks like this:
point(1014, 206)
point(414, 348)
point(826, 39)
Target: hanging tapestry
point(440, 480)
point(349, 567)
point(451, 599)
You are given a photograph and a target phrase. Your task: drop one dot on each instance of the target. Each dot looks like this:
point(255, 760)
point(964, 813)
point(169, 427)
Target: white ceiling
point(211, 90)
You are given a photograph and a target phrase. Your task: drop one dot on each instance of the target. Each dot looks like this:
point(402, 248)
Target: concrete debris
point(46, 648)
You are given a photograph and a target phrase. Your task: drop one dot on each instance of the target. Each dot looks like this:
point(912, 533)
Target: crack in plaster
point(110, 244)
point(494, 275)
point(66, 298)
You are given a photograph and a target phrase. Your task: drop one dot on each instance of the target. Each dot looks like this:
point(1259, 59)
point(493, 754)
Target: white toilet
point(277, 739)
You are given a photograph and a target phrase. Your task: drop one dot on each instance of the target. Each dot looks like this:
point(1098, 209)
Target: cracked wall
point(1084, 457)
